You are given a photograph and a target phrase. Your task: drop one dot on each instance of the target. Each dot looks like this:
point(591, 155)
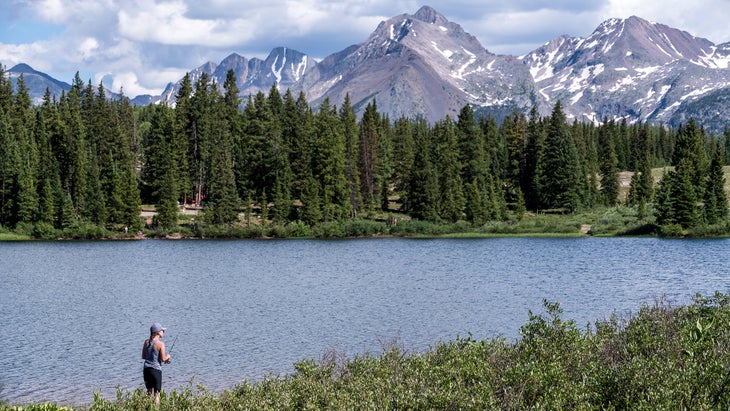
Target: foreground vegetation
point(663, 357)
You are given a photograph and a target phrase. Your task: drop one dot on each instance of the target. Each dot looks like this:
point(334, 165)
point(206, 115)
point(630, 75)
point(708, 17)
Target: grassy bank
point(663, 357)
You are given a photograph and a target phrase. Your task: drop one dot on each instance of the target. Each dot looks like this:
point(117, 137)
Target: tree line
point(88, 159)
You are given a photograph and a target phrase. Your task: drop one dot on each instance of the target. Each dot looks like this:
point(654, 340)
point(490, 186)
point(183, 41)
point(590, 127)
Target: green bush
point(672, 230)
point(45, 231)
point(663, 357)
point(707, 231)
point(428, 228)
point(296, 229)
point(85, 230)
point(363, 228)
point(332, 229)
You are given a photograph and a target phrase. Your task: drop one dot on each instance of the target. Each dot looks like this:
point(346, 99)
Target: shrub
point(363, 228)
point(671, 230)
point(44, 230)
point(663, 357)
point(332, 229)
point(85, 230)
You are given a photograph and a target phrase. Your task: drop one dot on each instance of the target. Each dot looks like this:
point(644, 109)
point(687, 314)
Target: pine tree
point(369, 161)
point(160, 170)
point(475, 171)
point(684, 195)
point(726, 138)
point(298, 132)
point(9, 172)
point(201, 130)
point(222, 201)
point(94, 209)
point(608, 166)
point(280, 173)
point(348, 118)
point(166, 206)
point(560, 183)
point(181, 137)
point(690, 146)
point(384, 176)
point(403, 154)
point(535, 147)
point(47, 170)
point(6, 91)
point(515, 135)
point(642, 182)
point(664, 209)
point(423, 187)
point(329, 163)
point(130, 195)
point(451, 203)
point(73, 150)
point(311, 202)
point(715, 202)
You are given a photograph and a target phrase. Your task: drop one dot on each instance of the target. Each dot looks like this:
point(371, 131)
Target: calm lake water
point(74, 315)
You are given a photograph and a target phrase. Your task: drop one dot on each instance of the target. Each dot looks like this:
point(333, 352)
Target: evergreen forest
point(85, 166)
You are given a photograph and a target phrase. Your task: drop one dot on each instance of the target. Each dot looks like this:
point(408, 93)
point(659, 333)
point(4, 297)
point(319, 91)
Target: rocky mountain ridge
point(425, 65)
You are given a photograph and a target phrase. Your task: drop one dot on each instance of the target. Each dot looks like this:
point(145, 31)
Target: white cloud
point(13, 54)
point(52, 11)
point(507, 33)
point(165, 23)
point(88, 47)
point(128, 82)
point(142, 45)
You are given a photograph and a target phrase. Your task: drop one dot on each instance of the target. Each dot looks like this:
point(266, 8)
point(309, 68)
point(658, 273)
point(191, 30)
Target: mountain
point(37, 82)
point(630, 68)
point(424, 65)
point(421, 65)
point(284, 67)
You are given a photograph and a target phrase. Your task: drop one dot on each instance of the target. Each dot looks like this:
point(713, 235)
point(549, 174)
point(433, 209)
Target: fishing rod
point(171, 347)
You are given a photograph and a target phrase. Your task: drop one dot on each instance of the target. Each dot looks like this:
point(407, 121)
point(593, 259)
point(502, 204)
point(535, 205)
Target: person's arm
point(144, 348)
point(163, 356)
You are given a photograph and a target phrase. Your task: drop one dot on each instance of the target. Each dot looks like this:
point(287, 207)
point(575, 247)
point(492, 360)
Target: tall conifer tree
point(451, 203)
point(560, 182)
point(608, 166)
point(715, 201)
point(348, 118)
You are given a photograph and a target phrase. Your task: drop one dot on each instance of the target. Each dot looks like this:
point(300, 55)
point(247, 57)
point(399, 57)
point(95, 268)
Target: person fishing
point(153, 354)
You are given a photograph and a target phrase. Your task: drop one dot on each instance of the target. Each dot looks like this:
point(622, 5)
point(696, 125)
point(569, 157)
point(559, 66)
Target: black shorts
point(152, 378)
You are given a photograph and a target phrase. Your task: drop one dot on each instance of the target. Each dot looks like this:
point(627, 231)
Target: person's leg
point(153, 382)
point(157, 385)
point(149, 381)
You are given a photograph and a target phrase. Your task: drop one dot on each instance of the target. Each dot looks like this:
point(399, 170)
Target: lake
point(74, 315)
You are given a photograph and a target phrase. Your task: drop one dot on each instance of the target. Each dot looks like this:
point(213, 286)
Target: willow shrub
point(663, 357)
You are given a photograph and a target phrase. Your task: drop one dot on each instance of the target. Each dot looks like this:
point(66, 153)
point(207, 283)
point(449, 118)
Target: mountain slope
point(628, 68)
point(37, 82)
point(284, 67)
point(421, 65)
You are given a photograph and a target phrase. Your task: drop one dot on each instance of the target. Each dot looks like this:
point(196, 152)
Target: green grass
point(9, 236)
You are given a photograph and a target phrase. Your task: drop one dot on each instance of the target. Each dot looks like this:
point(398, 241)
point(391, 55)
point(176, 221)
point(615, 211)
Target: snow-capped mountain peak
point(628, 68)
point(425, 65)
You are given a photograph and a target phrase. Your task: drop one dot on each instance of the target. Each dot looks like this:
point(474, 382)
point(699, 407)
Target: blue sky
point(141, 45)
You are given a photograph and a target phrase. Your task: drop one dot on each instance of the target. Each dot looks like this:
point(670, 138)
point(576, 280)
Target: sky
point(139, 46)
